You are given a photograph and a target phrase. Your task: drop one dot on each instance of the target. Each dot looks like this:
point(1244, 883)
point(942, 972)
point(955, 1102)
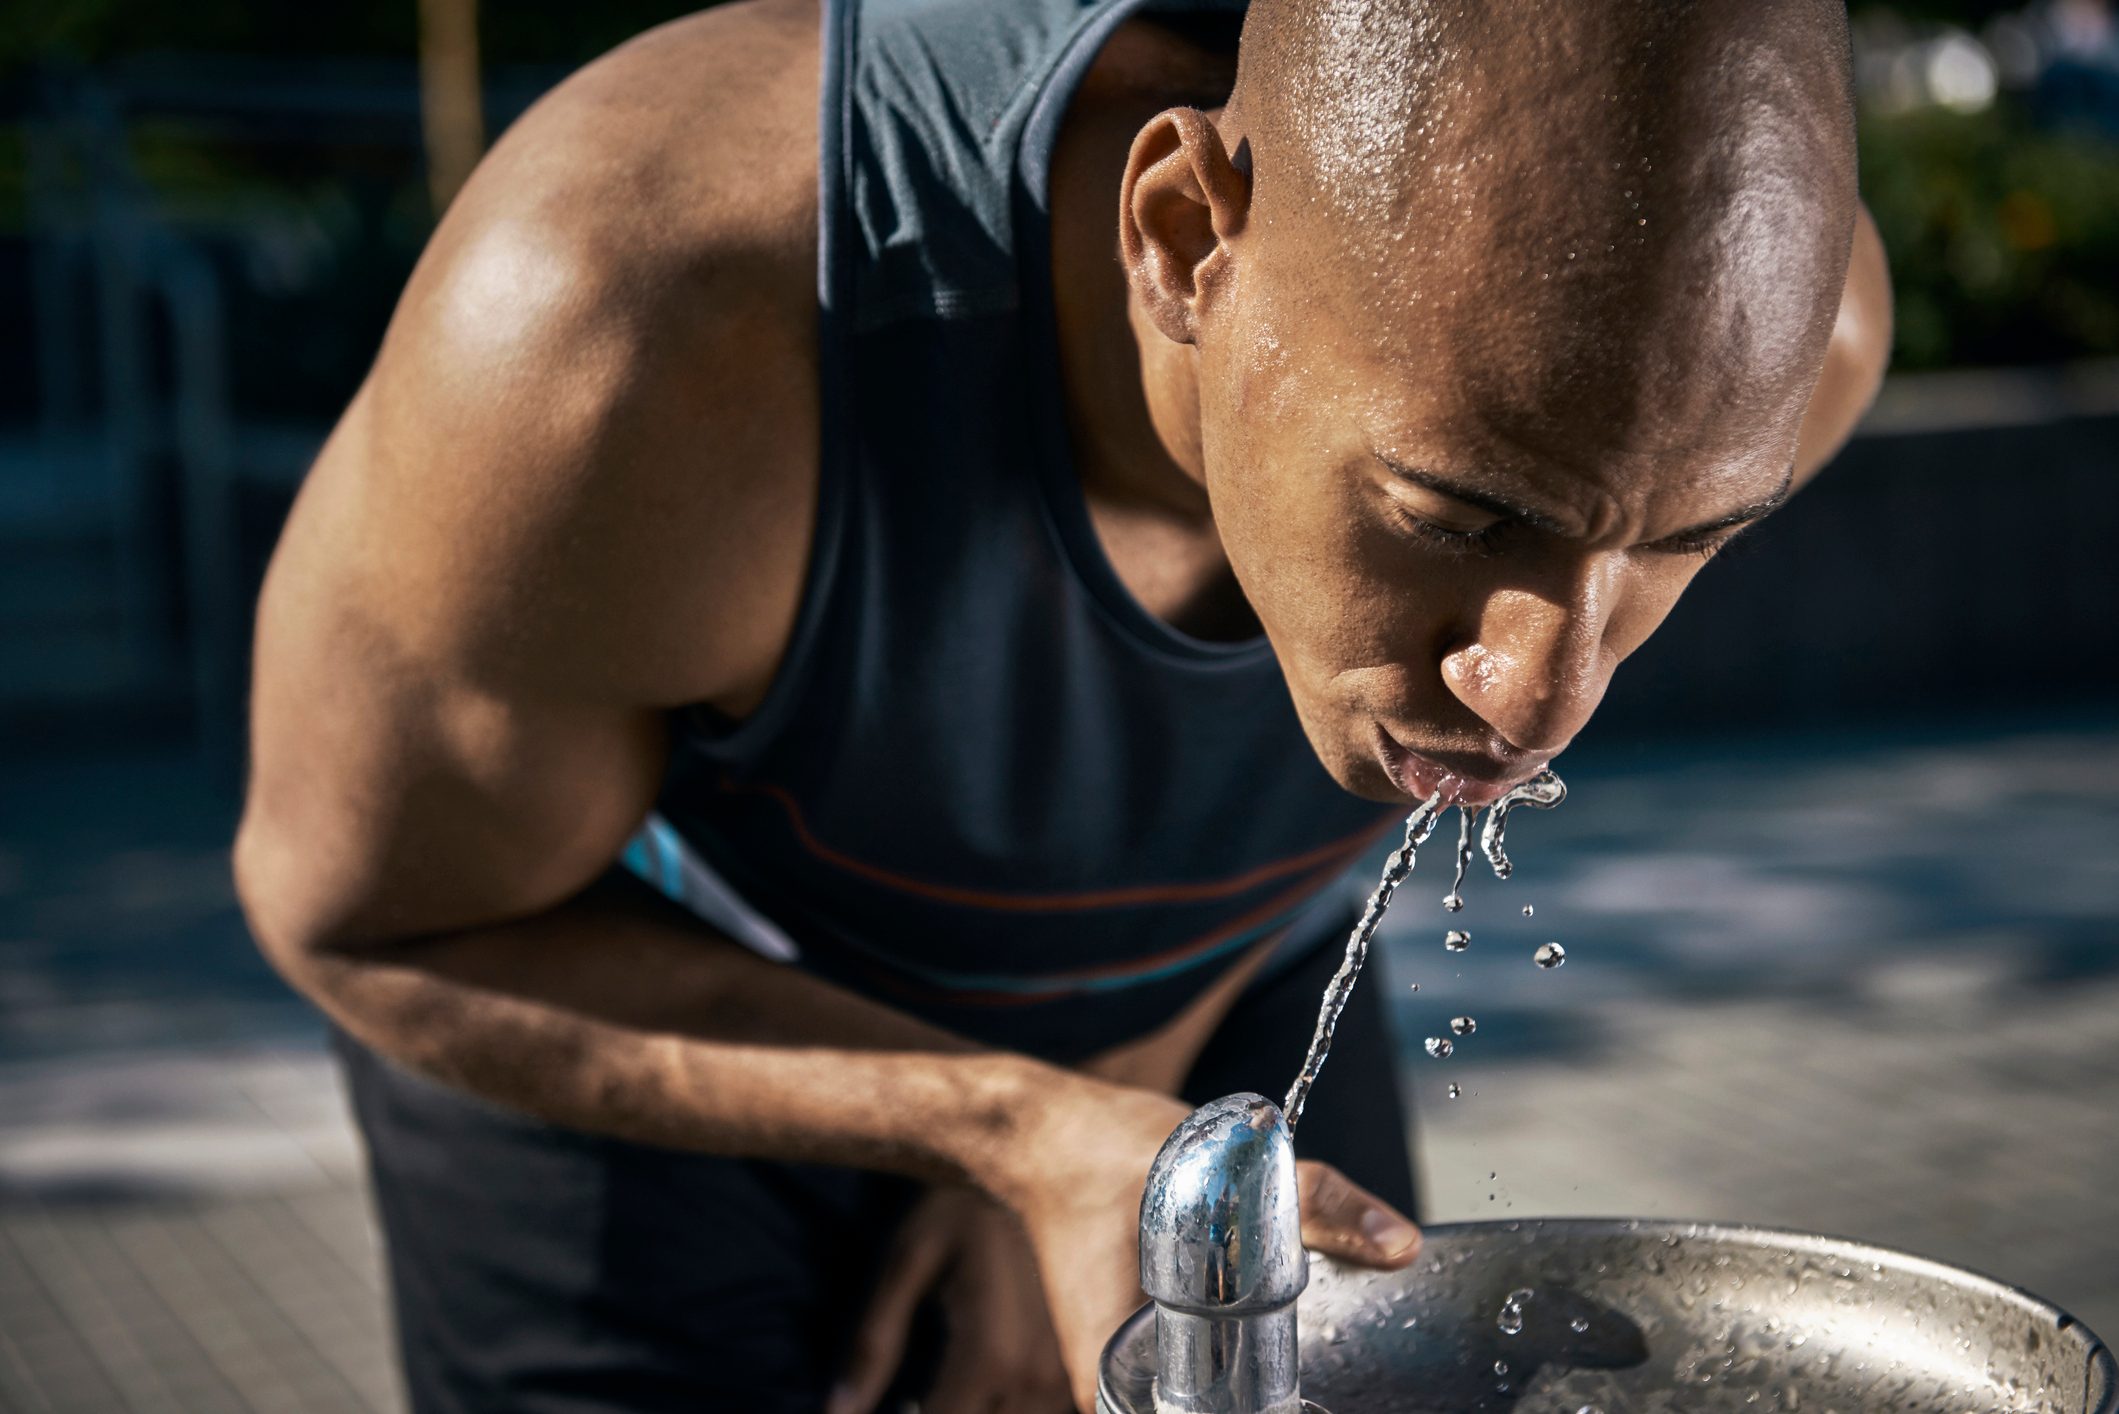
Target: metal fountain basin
point(1662, 1317)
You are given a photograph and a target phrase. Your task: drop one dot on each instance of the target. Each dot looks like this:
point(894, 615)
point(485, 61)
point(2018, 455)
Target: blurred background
point(1839, 881)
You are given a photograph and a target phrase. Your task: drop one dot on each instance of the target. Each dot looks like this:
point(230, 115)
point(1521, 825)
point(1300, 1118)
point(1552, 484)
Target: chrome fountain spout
point(1221, 1257)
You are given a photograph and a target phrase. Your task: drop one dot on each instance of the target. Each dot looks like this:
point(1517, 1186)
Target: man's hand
point(1082, 1215)
point(999, 1354)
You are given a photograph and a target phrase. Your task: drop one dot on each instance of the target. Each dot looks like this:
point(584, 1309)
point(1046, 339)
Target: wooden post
point(452, 115)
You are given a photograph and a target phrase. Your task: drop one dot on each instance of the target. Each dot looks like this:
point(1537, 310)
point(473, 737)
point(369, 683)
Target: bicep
point(575, 492)
point(401, 783)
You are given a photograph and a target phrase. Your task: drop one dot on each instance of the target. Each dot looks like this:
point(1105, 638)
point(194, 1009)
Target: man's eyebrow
point(1502, 506)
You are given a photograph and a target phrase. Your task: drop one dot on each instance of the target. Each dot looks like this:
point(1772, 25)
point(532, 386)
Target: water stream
point(1541, 792)
point(1465, 815)
point(1418, 826)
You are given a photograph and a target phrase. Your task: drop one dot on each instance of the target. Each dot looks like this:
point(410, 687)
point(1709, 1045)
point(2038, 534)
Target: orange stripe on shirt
point(1279, 903)
point(1339, 852)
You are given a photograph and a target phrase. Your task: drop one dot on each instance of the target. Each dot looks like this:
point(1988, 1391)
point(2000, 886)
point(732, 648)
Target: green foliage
point(2004, 238)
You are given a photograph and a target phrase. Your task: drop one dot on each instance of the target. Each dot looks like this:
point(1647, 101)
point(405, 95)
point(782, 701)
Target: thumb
point(1342, 1219)
point(879, 1341)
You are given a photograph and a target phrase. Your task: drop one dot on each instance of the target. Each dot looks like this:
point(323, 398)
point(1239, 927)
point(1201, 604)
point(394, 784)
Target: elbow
point(280, 897)
point(1865, 317)
point(1856, 355)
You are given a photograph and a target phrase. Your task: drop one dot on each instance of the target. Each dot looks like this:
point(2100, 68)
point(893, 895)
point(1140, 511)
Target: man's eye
point(1419, 527)
point(1699, 547)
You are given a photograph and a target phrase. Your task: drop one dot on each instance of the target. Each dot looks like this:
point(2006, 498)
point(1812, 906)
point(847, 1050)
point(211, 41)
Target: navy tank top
point(986, 786)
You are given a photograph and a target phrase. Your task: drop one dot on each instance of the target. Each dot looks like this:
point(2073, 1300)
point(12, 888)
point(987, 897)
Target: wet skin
point(577, 491)
point(1450, 532)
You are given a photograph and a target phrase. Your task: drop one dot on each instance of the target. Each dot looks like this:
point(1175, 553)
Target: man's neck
point(1133, 395)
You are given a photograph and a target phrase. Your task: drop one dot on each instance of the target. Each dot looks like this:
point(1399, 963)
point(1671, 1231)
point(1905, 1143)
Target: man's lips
point(1462, 781)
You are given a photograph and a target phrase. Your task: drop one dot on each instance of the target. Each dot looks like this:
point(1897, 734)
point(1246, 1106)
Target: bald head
point(1629, 214)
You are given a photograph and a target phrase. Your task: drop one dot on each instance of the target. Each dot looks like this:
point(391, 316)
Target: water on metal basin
point(1626, 1316)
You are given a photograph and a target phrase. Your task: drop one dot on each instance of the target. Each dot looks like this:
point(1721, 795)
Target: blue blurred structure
point(189, 342)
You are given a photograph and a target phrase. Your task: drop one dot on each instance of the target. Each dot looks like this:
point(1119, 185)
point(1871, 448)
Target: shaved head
point(1483, 324)
point(1632, 215)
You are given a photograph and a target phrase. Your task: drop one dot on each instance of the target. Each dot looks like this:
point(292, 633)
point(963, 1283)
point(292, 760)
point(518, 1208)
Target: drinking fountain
point(1575, 1315)
point(1222, 1262)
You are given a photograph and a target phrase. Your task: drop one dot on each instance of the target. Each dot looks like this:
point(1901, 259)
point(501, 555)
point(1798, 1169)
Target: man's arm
point(577, 491)
point(1857, 356)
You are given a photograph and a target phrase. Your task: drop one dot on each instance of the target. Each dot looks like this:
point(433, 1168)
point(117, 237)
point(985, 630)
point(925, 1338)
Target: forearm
point(615, 1014)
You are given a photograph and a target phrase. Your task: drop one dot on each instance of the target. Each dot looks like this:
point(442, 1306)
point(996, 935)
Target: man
point(958, 599)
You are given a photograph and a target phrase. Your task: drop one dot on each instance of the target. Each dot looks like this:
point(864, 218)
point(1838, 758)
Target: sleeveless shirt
point(986, 786)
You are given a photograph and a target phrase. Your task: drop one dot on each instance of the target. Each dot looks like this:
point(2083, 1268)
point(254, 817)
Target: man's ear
point(1183, 198)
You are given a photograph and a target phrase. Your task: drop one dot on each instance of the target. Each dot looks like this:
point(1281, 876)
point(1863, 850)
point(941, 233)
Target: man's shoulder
point(598, 393)
point(688, 150)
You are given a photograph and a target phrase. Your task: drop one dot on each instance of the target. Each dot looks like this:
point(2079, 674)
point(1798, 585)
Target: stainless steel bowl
point(1637, 1317)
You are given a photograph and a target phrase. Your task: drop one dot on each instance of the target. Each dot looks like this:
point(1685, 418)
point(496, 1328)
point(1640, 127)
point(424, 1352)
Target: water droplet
point(1410, 1321)
point(1510, 1321)
point(1530, 910)
point(1456, 940)
point(1589, 1409)
point(1416, 986)
point(1454, 903)
point(1440, 1046)
point(1462, 1026)
point(1500, 1367)
point(1579, 1325)
point(1549, 956)
point(1454, 1092)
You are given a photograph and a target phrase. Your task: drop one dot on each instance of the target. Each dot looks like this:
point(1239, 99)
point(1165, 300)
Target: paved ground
point(1865, 986)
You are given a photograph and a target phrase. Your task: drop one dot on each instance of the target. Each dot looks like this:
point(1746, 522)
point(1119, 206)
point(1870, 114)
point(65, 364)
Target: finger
point(879, 1340)
point(1343, 1219)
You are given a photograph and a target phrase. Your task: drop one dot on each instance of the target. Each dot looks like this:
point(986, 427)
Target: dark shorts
point(537, 1270)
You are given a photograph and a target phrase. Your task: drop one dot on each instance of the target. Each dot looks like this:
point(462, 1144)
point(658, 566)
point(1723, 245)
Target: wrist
point(1075, 1130)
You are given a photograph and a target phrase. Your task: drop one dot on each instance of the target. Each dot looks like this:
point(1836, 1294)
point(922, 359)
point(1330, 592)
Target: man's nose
point(1535, 668)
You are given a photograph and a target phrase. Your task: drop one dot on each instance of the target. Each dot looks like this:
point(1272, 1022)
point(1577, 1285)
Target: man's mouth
point(1462, 779)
